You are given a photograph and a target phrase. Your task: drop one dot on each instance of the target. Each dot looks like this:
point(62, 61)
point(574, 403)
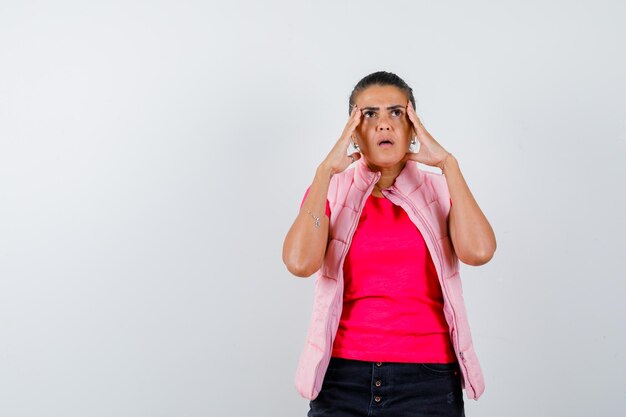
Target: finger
point(348, 133)
point(354, 113)
point(354, 156)
point(412, 115)
point(416, 122)
point(353, 122)
point(411, 111)
point(356, 118)
point(409, 107)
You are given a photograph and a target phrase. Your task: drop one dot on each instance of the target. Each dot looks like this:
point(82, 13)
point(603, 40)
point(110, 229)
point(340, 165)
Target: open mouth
point(385, 142)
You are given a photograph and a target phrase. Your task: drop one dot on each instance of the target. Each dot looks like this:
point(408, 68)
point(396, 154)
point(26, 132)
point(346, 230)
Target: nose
point(383, 124)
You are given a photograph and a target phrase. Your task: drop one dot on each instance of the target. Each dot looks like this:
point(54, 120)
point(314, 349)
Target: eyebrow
point(396, 106)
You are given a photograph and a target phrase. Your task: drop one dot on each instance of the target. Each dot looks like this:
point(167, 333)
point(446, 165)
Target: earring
point(414, 141)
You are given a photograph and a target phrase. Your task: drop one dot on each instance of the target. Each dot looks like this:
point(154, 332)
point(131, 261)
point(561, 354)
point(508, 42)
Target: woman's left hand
point(431, 152)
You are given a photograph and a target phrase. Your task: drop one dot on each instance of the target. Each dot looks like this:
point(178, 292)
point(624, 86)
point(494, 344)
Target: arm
point(472, 236)
point(305, 244)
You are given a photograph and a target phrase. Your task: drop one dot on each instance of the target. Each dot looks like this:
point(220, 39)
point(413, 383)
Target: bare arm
point(305, 244)
point(472, 236)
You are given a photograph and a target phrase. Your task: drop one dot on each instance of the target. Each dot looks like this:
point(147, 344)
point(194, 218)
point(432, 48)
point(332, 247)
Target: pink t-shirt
point(392, 301)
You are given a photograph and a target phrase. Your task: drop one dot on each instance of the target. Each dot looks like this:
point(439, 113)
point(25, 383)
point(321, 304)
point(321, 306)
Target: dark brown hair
point(381, 78)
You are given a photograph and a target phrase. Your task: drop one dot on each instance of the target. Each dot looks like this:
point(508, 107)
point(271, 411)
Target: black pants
point(354, 388)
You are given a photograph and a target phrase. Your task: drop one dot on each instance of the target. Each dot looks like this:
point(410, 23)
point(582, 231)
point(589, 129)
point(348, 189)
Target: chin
point(387, 161)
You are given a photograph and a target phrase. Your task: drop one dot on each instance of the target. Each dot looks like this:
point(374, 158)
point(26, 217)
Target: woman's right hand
point(337, 160)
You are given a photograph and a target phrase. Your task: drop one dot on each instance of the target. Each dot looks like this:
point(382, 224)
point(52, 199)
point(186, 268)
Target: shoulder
point(345, 175)
point(437, 185)
point(339, 183)
point(435, 179)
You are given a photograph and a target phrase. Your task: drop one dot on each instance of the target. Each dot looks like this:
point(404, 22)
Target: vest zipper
point(443, 279)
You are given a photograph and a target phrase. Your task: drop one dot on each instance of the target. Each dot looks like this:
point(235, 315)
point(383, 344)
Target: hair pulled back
point(381, 78)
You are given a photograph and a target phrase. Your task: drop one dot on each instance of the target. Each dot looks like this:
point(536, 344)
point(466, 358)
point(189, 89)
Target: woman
point(389, 335)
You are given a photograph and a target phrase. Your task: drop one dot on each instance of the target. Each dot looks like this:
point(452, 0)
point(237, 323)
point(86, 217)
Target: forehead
point(381, 95)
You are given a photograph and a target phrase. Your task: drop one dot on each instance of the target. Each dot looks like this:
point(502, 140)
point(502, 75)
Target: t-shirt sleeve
point(327, 203)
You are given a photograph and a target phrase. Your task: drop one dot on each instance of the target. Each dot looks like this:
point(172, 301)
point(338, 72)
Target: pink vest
point(425, 198)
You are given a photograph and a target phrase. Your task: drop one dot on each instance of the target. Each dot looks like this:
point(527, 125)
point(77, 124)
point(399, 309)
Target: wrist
point(445, 162)
point(324, 171)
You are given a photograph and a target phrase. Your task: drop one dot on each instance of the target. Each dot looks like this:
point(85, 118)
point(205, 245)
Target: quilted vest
point(425, 198)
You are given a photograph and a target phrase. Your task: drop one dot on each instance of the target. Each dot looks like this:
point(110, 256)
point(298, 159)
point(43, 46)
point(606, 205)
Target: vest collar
point(409, 179)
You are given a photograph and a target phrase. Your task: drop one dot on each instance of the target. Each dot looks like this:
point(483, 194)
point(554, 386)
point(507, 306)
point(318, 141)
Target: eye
point(396, 113)
point(369, 114)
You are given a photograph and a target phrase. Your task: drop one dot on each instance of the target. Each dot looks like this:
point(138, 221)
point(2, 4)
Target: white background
point(154, 154)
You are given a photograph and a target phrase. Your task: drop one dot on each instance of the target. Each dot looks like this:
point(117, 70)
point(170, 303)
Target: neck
point(387, 174)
